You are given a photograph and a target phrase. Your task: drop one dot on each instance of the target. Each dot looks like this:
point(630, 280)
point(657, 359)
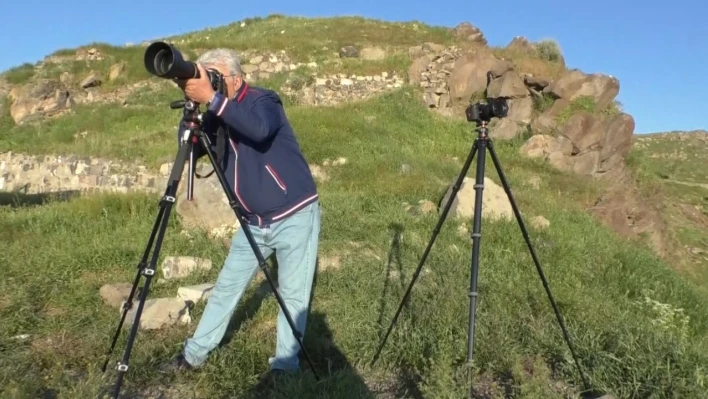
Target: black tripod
point(481, 144)
point(192, 137)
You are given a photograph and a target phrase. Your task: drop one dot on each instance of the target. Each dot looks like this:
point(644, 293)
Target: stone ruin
point(587, 143)
point(339, 88)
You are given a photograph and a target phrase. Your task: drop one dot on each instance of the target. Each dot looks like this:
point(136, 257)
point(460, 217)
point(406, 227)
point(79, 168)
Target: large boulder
point(469, 33)
point(587, 144)
point(209, 209)
point(45, 97)
point(469, 75)
point(574, 84)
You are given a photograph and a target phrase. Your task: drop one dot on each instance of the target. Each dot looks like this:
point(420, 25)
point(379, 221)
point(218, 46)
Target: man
point(271, 179)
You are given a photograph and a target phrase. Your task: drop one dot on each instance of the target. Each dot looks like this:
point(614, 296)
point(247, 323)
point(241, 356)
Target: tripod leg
point(536, 262)
point(129, 302)
point(164, 215)
point(233, 203)
point(436, 231)
point(476, 237)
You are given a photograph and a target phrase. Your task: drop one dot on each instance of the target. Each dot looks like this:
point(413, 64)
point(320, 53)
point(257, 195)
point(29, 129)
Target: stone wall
point(36, 174)
point(339, 88)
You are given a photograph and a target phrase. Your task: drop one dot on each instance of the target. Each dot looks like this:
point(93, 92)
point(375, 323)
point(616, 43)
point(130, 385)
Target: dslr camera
point(484, 112)
point(165, 61)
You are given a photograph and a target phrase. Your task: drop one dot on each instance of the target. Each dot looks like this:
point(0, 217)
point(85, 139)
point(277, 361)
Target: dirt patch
point(695, 215)
point(634, 214)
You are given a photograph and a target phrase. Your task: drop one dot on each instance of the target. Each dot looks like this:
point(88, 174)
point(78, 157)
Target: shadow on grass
point(337, 376)
point(20, 200)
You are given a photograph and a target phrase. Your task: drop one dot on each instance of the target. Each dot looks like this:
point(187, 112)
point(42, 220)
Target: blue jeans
point(294, 241)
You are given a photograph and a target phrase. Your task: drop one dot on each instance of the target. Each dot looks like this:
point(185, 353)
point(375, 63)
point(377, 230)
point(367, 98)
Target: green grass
point(586, 104)
point(303, 39)
point(674, 167)
point(57, 256)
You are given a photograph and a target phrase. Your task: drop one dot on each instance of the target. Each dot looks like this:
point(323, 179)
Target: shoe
point(268, 378)
point(177, 364)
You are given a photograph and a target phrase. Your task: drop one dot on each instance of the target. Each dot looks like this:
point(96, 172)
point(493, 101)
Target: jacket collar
point(241, 92)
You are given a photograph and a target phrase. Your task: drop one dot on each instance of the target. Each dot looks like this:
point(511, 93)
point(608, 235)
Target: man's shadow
point(337, 376)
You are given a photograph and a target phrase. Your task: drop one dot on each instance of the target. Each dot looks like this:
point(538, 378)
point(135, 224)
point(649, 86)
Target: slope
point(639, 327)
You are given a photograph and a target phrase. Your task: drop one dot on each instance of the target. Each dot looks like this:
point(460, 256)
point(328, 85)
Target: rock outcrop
point(586, 144)
point(452, 78)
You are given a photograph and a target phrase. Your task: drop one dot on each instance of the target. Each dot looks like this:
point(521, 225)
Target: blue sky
point(657, 49)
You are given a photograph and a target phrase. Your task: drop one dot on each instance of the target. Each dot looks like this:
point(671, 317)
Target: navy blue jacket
point(273, 179)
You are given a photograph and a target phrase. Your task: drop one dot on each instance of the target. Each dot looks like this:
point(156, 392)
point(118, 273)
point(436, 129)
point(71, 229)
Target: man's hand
point(198, 90)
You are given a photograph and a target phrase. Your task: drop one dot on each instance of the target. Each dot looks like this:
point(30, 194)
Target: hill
point(87, 139)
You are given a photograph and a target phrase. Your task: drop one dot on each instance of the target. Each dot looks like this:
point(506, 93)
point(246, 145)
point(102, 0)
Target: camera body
point(165, 61)
point(484, 112)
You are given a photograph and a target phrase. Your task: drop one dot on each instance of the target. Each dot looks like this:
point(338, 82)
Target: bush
point(549, 50)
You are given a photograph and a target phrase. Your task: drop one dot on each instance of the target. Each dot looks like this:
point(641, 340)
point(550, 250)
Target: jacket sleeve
point(257, 121)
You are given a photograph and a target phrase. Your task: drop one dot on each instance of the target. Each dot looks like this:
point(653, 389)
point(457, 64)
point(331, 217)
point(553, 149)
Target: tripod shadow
point(394, 255)
point(406, 380)
point(17, 199)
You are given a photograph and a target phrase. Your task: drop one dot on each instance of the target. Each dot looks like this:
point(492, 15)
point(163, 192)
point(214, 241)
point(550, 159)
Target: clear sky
point(657, 49)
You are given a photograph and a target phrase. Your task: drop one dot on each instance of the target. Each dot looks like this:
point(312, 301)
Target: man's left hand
point(198, 90)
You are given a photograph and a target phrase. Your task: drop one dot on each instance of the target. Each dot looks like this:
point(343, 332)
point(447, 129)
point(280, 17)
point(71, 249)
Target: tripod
point(481, 144)
point(193, 136)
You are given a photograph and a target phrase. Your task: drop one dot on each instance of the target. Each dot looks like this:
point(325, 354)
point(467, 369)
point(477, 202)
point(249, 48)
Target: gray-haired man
point(271, 179)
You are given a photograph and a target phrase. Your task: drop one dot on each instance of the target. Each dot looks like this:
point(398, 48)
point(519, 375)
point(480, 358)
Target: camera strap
point(221, 134)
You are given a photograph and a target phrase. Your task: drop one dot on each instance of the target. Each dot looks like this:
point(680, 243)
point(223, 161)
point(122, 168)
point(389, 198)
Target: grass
point(585, 104)
point(272, 33)
point(673, 164)
point(605, 286)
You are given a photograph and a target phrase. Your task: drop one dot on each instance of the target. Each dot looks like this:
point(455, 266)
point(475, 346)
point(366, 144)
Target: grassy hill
point(639, 323)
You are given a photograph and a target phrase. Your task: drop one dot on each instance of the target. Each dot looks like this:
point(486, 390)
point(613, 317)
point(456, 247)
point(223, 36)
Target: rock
point(115, 294)
point(535, 82)
point(617, 143)
point(546, 122)
point(495, 203)
point(417, 67)
point(469, 75)
point(159, 313)
point(520, 110)
point(588, 144)
point(329, 262)
point(195, 293)
point(372, 53)
point(504, 129)
point(521, 44)
point(348, 52)
point(91, 80)
point(500, 68)
point(116, 70)
point(542, 146)
point(175, 267)
point(469, 33)
point(539, 222)
point(573, 84)
point(585, 130)
point(509, 85)
point(39, 99)
point(209, 208)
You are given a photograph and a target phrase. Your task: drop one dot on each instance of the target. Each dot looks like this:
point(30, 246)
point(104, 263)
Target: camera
point(484, 112)
point(165, 61)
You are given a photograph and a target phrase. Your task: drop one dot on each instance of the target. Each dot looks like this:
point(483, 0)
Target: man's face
point(232, 83)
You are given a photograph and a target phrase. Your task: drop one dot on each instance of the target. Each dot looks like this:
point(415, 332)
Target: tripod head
point(192, 119)
point(482, 113)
